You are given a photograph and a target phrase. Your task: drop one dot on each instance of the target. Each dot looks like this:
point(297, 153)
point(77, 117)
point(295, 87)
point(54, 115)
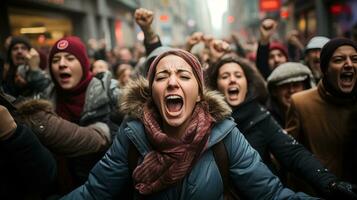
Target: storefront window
point(43, 29)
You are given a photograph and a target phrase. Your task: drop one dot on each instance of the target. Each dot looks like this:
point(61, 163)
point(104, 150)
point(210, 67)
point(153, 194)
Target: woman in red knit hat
point(82, 127)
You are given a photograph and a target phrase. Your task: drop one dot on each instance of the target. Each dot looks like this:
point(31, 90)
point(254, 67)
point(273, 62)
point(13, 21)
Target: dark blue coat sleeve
point(33, 164)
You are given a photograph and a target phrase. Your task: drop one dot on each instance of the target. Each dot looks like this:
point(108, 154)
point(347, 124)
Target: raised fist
point(194, 39)
point(218, 48)
point(144, 18)
point(267, 29)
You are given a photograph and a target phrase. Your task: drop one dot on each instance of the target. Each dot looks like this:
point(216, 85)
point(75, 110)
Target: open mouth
point(233, 92)
point(347, 77)
point(65, 75)
point(174, 103)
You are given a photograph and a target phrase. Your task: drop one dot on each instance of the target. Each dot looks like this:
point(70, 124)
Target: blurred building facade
point(316, 17)
point(174, 20)
point(323, 17)
point(45, 21)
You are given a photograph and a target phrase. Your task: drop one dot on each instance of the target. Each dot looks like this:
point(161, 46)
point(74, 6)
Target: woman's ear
point(198, 98)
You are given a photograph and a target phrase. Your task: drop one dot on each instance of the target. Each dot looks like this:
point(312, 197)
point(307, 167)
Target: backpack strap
point(133, 158)
point(221, 157)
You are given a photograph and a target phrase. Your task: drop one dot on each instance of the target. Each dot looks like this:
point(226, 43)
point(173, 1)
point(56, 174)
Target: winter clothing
point(110, 176)
point(17, 40)
point(61, 136)
point(330, 47)
point(263, 57)
point(267, 137)
point(150, 57)
point(171, 166)
point(100, 101)
point(69, 104)
point(189, 58)
point(35, 82)
point(92, 100)
point(290, 72)
point(286, 73)
point(321, 125)
point(279, 46)
point(316, 42)
point(27, 169)
point(72, 45)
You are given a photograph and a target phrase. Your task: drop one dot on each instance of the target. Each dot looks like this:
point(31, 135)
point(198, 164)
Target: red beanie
point(72, 45)
point(188, 57)
point(279, 46)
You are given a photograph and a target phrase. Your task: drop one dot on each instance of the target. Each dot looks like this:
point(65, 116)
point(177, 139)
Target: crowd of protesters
point(209, 120)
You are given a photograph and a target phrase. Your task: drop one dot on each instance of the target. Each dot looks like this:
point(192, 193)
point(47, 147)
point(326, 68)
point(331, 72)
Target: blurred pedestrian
point(269, 54)
point(21, 75)
point(285, 80)
point(99, 66)
point(312, 55)
point(123, 74)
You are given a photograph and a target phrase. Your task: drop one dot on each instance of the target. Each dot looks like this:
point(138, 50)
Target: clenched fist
point(144, 18)
point(267, 29)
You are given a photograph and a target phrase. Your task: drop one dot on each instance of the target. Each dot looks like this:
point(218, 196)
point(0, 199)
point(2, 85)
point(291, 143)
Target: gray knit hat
point(290, 72)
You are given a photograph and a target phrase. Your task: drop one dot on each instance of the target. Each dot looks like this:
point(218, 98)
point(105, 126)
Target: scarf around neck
point(171, 159)
point(69, 103)
point(330, 94)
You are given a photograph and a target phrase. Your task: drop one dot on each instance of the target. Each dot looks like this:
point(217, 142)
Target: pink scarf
point(171, 159)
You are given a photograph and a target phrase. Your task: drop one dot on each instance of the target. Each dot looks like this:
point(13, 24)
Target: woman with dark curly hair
point(242, 87)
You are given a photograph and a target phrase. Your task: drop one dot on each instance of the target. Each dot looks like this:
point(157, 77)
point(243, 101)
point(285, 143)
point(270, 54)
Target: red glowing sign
point(284, 14)
point(164, 18)
point(230, 19)
point(269, 5)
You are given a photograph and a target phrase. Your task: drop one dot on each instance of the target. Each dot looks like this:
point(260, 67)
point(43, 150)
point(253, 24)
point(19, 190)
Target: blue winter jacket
point(110, 177)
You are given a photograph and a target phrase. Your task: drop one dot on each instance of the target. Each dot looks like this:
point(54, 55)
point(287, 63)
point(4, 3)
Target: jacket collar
point(137, 93)
point(335, 98)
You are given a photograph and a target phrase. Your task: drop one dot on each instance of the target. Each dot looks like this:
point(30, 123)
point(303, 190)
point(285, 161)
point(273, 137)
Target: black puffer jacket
point(267, 137)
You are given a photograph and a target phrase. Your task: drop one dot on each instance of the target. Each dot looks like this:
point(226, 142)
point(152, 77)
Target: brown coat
point(319, 121)
point(59, 135)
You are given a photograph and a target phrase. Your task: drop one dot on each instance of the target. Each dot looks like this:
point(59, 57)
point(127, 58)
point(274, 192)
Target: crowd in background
point(90, 123)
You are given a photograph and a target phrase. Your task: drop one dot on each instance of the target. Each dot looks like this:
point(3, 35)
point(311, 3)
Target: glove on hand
point(342, 190)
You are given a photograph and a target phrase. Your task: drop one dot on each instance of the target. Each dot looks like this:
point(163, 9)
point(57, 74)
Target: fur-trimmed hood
point(137, 93)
